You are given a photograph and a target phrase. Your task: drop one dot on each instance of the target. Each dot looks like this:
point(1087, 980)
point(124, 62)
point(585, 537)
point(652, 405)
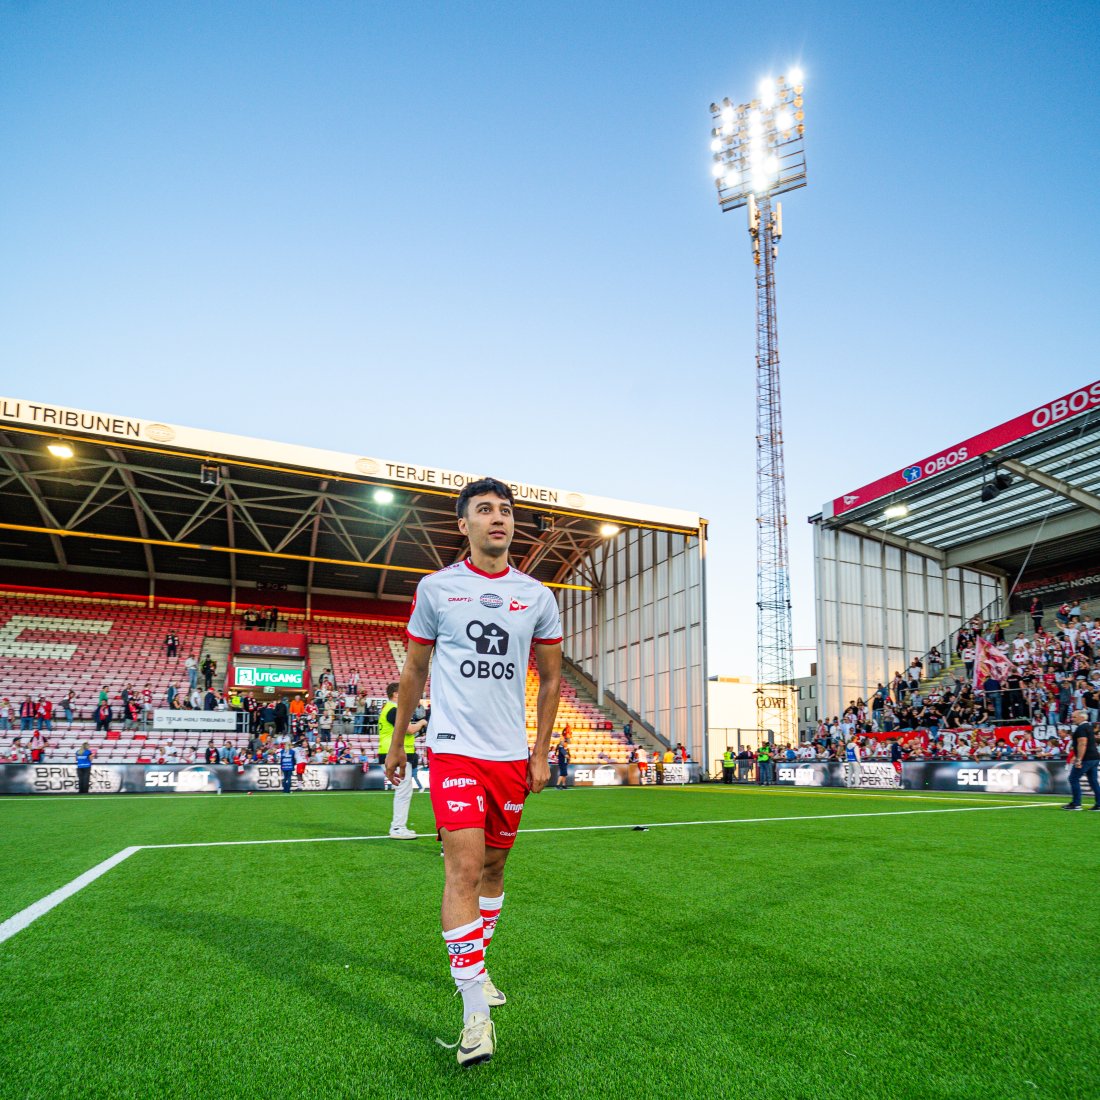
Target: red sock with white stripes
point(466, 951)
point(490, 914)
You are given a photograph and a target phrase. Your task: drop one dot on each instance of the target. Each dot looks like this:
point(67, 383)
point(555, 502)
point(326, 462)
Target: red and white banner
point(990, 661)
point(1087, 397)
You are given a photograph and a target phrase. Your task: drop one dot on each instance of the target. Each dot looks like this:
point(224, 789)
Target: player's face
point(489, 524)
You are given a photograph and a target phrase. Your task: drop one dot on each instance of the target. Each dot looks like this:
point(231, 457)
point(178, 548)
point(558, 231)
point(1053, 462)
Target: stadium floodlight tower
point(758, 154)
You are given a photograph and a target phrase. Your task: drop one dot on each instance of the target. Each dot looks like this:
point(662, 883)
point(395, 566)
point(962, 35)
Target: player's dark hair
point(480, 488)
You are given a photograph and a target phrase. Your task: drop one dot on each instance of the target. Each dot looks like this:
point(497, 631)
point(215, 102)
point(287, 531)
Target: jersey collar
point(481, 572)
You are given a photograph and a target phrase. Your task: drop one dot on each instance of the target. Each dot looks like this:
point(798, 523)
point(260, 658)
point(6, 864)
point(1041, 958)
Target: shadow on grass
point(261, 945)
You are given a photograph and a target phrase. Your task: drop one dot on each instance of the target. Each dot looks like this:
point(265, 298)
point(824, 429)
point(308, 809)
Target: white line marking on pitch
point(44, 905)
point(33, 912)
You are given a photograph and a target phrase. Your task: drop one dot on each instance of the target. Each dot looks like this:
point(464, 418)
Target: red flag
point(989, 661)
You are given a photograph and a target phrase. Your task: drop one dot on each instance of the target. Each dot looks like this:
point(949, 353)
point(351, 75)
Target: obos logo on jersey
point(489, 640)
point(491, 599)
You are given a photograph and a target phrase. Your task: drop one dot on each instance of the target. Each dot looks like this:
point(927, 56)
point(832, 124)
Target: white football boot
point(477, 1043)
point(493, 995)
point(402, 834)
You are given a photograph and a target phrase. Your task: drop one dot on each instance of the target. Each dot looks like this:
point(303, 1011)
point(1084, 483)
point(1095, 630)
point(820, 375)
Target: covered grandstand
point(145, 528)
point(977, 529)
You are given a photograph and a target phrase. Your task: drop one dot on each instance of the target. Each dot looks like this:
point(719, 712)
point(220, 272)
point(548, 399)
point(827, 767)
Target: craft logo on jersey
point(515, 605)
point(491, 599)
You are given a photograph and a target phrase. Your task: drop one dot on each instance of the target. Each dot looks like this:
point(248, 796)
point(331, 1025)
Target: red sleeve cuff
point(546, 641)
point(422, 641)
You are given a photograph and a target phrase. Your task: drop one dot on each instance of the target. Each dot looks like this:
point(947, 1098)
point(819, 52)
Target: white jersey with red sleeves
point(482, 626)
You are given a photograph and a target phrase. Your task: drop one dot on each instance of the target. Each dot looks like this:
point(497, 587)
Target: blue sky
point(484, 236)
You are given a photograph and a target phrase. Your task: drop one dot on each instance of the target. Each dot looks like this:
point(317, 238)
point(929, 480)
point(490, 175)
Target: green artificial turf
point(925, 955)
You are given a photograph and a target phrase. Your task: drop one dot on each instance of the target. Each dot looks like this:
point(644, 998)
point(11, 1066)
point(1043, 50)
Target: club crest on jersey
point(515, 605)
point(491, 599)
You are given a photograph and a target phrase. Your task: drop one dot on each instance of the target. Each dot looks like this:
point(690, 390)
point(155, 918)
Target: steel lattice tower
point(758, 154)
point(774, 646)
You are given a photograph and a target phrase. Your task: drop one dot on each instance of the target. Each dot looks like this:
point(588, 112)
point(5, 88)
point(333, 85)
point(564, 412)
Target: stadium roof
point(1049, 513)
point(132, 499)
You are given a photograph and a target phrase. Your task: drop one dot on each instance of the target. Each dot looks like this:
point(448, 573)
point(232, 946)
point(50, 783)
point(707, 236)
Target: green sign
point(249, 676)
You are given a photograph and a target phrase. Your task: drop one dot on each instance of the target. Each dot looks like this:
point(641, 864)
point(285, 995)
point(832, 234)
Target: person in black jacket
point(1084, 760)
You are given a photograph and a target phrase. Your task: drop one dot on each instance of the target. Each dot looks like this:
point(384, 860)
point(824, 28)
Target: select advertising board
point(1001, 777)
point(184, 778)
point(1062, 408)
point(215, 778)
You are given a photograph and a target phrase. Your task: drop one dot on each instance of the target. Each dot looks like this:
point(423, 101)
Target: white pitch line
point(33, 912)
point(289, 840)
point(44, 905)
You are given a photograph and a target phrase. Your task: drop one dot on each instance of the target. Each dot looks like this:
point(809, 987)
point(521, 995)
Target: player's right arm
point(414, 675)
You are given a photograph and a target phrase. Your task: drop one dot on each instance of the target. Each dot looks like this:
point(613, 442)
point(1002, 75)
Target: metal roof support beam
point(139, 515)
point(18, 466)
point(1054, 484)
point(313, 547)
point(895, 540)
point(1010, 542)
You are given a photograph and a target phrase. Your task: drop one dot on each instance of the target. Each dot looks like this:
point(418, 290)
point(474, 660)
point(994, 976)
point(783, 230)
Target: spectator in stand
point(84, 768)
point(353, 682)
point(659, 767)
point(170, 696)
point(282, 718)
point(27, 711)
point(68, 708)
point(194, 700)
point(916, 671)
point(7, 714)
point(272, 618)
point(1035, 610)
point(210, 700)
point(935, 663)
point(43, 713)
point(211, 754)
point(209, 667)
point(192, 668)
point(171, 644)
point(103, 716)
point(226, 753)
point(628, 733)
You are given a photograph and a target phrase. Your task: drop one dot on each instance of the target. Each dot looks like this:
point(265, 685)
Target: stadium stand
point(51, 644)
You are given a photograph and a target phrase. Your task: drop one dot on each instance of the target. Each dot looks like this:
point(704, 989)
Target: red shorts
point(300, 767)
point(478, 794)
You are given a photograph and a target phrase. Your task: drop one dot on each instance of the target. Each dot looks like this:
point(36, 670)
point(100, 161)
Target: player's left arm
point(548, 663)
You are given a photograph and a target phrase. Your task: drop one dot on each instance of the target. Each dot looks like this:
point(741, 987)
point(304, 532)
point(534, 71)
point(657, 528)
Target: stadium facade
point(163, 511)
point(975, 529)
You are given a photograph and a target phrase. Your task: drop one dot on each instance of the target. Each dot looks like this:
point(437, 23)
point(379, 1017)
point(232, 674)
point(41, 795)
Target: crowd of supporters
point(1038, 678)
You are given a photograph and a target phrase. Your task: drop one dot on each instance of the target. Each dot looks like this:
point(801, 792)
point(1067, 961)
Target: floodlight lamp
point(609, 530)
point(796, 75)
point(896, 511)
point(718, 170)
point(383, 496)
point(784, 120)
point(772, 164)
point(60, 449)
point(767, 92)
point(716, 145)
point(727, 114)
point(733, 180)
